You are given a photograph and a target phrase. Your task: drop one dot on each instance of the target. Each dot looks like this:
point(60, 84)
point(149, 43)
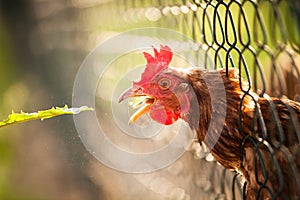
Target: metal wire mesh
point(261, 39)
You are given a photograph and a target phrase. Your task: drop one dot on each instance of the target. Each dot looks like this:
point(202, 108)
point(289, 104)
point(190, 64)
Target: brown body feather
point(268, 160)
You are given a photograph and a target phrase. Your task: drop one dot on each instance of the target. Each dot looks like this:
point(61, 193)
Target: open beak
point(127, 94)
point(144, 102)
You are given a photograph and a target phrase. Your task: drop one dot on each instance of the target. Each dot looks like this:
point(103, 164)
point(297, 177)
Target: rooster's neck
point(200, 111)
point(218, 99)
point(215, 95)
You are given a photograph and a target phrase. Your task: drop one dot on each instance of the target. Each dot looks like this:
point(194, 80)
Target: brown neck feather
point(218, 100)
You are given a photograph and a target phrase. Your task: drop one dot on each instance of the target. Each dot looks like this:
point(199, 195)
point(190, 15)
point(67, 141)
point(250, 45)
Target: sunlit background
point(43, 43)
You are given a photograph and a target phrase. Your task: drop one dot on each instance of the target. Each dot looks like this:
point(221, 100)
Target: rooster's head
point(166, 91)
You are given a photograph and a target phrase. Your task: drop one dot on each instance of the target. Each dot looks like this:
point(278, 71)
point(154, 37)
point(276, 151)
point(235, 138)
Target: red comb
point(159, 62)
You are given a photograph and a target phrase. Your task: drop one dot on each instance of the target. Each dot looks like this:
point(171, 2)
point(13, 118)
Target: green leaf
point(43, 114)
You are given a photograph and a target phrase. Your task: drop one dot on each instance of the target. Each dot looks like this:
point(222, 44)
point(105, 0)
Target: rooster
point(265, 153)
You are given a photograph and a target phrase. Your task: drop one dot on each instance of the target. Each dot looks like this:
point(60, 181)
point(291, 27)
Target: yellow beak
point(130, 93)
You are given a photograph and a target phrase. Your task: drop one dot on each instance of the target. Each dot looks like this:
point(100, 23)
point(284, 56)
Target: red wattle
point(163, 116)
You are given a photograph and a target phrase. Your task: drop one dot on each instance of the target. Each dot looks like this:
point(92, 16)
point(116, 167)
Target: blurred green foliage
point(6, 146)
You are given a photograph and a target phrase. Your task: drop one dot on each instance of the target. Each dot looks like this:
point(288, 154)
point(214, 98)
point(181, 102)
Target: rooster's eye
point(164, 83)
